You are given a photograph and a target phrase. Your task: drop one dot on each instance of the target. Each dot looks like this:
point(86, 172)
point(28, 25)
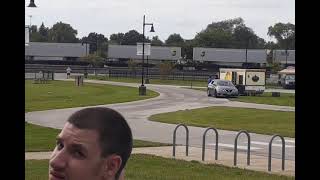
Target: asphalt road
point(174, 98)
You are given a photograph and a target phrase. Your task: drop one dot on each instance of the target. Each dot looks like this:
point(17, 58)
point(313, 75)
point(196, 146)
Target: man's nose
point(58, 160)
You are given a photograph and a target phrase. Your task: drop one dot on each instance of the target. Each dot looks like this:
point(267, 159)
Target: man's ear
point(113, 163)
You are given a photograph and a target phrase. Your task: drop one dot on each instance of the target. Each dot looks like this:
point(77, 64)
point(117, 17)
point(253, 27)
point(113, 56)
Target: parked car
point(219, 88)
point(288, 81)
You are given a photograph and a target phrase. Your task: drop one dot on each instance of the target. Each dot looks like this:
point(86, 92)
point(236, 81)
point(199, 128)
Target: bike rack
point(204, 142)
point(270, 149)
point(236, 145)
point(174, 139)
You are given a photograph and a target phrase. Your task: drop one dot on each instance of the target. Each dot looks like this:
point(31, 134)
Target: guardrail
point(236, 145)
point(204, 142)
point(283, 151)
point(174, 139)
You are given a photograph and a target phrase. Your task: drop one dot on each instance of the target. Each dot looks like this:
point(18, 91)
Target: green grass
point(152, 81)
point(229, 118)
point(145, 167)
point(62, 94)
point(285, 99)
point(38, 138)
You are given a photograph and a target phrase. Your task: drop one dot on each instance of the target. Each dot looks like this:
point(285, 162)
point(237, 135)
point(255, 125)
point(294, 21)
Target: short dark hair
point(115, 136)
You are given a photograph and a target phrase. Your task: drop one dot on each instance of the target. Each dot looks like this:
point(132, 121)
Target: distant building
point(55, 51)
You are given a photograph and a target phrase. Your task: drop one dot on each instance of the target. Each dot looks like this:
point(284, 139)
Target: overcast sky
point(186, 17)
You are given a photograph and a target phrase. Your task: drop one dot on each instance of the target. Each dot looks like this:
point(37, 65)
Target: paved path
point(173, 98)
point(257, 163)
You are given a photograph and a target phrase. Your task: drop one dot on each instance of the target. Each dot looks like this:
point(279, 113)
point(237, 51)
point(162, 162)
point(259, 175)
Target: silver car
point(220, 88)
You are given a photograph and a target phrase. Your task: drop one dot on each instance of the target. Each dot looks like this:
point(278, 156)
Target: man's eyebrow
point(58, 138)
point(79, 147)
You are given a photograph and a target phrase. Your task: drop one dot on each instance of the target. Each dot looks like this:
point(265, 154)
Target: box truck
point(247, 81)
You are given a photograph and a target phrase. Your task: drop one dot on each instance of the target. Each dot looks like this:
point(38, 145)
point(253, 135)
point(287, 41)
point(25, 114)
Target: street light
point(32, 4)
point(142, 88)
point(246, 66)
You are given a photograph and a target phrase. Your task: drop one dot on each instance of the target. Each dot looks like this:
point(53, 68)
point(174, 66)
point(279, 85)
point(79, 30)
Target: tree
point(175, 40)
point(98, 43)
point(165, 69)
point(132, 66)
point(218, 34)
point(231, 33)
point(116, 38)
point(284, 33)
point(156, 41)
point(215, 38)
point(62, 33)
point(44, 32)
point(34, 34)
point(271, 45)
point(132, 37)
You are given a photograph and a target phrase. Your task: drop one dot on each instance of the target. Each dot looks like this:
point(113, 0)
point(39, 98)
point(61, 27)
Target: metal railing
point(283, 151)
point(236, 145)
point(204, 142)
point(174, 139)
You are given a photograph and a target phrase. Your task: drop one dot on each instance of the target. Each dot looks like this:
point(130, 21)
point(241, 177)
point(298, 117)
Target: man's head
point(94, 144)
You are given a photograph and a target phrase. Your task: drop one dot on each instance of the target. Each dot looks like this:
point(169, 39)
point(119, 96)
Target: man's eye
point(78, 154)
point(59, 145)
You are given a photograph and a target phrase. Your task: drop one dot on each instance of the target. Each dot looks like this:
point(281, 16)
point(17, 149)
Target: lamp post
point(31, 4)
point(246, 66)
point(30, 20)
point(142, 88)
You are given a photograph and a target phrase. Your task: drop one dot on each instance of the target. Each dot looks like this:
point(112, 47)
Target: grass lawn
point(62, 94)
point(152, 81)
point(145, 167)
point(285, 99)
point(229, 118)
point(38, 138)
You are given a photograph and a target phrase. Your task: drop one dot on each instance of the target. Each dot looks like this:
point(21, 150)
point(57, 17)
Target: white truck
point(247, 81)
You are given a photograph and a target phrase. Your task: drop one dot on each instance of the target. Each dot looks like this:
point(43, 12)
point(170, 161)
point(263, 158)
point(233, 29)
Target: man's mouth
point(56, 175)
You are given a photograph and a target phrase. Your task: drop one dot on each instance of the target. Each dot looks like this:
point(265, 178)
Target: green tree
point(44, 32)
point(165, 69)
point(34, 34)
point(175, 40)
point(156, 41)
point(271, 45)
point(62, 33)
point(215, 38)
point(132, 37)
point(284, 33)
point(98, 43)
point(231, 33)
point(132, 66)
point(116, 38)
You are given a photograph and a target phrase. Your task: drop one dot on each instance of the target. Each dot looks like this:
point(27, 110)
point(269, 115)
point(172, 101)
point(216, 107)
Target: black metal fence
point(124, 72)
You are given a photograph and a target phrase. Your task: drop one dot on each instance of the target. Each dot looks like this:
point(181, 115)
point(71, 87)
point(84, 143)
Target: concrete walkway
point(257, 163)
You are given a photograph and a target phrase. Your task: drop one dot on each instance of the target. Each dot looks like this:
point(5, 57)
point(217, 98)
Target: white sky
point(185, 17)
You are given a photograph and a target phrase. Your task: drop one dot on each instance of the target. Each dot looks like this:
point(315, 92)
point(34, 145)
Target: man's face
point(77, 155)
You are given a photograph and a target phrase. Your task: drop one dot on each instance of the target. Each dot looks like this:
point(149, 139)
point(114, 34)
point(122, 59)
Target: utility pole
point(30, 20)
